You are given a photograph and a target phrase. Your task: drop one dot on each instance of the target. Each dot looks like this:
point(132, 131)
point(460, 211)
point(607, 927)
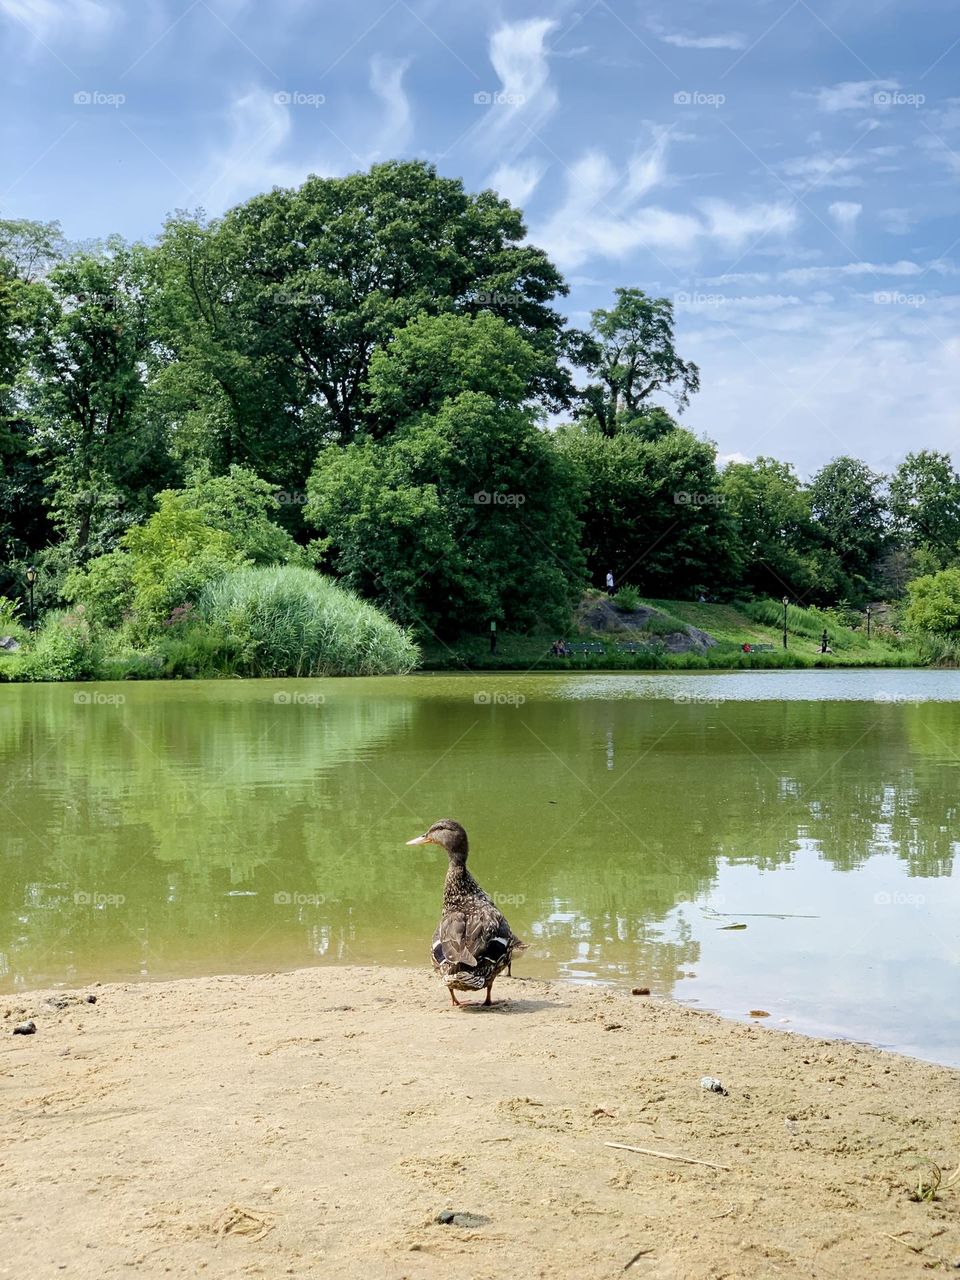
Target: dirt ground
point(317, 1123)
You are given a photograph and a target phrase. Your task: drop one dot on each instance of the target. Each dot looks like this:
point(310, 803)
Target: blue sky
point(786, 171)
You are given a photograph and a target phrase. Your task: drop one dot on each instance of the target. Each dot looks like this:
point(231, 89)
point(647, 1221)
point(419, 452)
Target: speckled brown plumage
point(473, 943)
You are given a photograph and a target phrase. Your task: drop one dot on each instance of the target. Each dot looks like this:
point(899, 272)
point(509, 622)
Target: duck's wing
point(472, 937)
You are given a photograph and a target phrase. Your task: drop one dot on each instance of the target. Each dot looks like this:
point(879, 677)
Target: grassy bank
point(730, 625)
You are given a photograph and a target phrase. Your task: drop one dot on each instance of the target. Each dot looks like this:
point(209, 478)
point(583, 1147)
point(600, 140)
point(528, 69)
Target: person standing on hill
point(609, 582)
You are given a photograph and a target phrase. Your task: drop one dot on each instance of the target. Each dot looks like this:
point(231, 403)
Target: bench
point(631, 646)
point(749, 647)
point(584, 646)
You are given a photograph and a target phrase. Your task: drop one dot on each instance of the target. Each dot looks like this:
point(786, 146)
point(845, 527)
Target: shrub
point(64, 649)
point(289, 621)
point(627, 598)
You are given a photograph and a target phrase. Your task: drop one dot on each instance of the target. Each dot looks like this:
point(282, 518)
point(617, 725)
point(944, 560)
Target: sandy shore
point(316, 1123)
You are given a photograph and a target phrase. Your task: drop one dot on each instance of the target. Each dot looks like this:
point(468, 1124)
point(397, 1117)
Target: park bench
point(750, 647)
point(631, 646)
point(584, 646)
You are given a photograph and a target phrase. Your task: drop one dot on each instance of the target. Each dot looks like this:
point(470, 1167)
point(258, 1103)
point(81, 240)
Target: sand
point(316, 1123)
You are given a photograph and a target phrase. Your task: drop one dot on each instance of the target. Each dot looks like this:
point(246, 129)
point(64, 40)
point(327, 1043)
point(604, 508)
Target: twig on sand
point(636, 1258)
point(665, 1155)
point(235, 1220)
point(912, 1247)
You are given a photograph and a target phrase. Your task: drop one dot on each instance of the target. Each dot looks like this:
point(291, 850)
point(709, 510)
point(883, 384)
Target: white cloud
point(731, 40)
point(845, 213)
point(386, 81)
point(853, 95)
point(824, 169)
point(526, 99)
point(601, 215)
point(897, 221)
point(516, 182)
point(733, 226)
point(260, 126)
point(70, 19)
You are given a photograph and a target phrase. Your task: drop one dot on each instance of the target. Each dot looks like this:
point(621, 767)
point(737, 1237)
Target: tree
point(85, 394)
point(934, 604)
point(653, 511)
point(462, 512)
point(848, 506)
point(775, 534)
point(276, 309)
point(631, 352)
point(925, 503)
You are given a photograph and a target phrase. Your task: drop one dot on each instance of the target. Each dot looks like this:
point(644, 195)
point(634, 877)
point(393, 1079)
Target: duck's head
point(448, 835)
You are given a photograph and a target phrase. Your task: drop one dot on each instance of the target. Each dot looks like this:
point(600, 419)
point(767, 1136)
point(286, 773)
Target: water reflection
point(253, 825)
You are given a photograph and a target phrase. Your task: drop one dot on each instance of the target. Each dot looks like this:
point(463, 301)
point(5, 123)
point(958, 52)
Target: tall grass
point(804, 622)
point(290, 621)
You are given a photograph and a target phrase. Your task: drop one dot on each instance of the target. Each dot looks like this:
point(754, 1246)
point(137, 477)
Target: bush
point(290, 621)
point(627, 598)
point(64, 649)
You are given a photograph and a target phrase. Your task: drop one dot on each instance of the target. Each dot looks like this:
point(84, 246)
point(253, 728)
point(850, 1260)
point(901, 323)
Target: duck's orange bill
point(420, 840)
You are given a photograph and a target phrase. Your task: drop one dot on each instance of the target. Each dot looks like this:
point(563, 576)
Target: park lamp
point(786, 601)
point(31, 574)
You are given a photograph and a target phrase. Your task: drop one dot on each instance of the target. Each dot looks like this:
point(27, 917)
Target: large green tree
point(847, 502)
point(776, 539)
point(273, 313)
point(463, 512)
point(654, 512)
point(85, 390)
point(631, 354)
point(925, 503)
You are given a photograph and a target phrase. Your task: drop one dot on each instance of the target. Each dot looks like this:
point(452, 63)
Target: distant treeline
point(364, 376)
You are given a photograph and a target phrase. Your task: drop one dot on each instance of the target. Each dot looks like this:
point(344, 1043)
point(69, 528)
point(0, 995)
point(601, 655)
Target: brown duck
point(473, 943)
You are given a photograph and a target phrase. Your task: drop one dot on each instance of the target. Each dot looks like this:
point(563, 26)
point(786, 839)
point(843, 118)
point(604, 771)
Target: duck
point(473, 943)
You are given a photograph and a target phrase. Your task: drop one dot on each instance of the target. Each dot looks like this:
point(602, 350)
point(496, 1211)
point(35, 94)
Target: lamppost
point(868, 622)
point(786, 601)
point(493, 635)
point(31, 579)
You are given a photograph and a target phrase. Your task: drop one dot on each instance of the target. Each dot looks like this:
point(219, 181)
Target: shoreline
point(276, 1124)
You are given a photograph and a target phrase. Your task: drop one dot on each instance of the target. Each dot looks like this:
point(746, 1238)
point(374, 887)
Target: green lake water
point(153, 830)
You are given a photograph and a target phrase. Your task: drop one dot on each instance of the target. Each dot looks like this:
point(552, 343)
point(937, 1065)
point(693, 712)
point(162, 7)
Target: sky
point(787, 172)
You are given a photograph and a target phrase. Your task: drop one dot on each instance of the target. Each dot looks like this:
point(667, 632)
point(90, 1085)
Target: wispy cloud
point(386, 81)
point(853, 95)
point(730, 40)
point(68, 19)
point(601, 214)
point(259, 130)
point(517, 181)
point(845, 213)
point(525, 99)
